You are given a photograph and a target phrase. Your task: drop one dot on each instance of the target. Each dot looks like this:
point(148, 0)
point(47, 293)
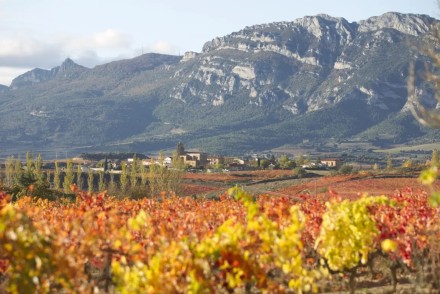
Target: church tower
point(180, 149)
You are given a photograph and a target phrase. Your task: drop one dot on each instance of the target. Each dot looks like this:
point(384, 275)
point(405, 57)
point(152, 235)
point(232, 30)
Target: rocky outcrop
point(188, 56)
point(327, 53)
point(30, 78)
point(408, 24)
point(68, 70)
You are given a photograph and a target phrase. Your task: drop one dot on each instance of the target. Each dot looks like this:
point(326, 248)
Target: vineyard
point(236, 243)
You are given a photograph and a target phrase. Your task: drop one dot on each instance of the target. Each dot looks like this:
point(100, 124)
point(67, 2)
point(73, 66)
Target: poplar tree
point(101, 185)
point(112, 186)
point(68, 177)
point(389, 162)
point(9, 171)
point(175, 174)
point(29, 164)
point(124, 177)
point(161, 175)
point(435, 158)
point(162, 179)
point(38, 164)
point(79, 181)
point(90, 179)
point(144, 175)
point(56, 176)
point(17, 171)
point(152, 177)
point(133, 173)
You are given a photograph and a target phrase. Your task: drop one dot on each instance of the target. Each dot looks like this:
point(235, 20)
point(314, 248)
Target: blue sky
point(45, 32)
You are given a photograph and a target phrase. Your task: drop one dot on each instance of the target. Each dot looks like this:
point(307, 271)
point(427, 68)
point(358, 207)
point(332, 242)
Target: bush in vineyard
point(348, 232)
point(33, 261)
point(259, 253)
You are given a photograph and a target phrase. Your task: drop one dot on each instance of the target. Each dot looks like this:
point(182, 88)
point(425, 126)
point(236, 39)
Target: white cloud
point(25, 49)
point(7, 74)
point(21, 43)
point(163, 47)
point(111, 39)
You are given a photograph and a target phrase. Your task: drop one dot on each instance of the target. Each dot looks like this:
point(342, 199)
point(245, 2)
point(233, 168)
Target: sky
point(43, 33)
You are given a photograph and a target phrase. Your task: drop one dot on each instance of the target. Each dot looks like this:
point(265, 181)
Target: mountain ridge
point(309, 75)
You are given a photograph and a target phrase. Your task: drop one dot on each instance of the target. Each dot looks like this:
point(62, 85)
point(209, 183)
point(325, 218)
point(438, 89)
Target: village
point(195, 161)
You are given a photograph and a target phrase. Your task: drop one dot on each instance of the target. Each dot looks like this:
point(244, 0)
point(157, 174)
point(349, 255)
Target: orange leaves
point(79, 240)
point(409, 223)
point(74, 188)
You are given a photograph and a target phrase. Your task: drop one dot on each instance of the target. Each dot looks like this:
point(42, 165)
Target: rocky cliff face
point(308, 63)
point(314, 78)
point(67, 70)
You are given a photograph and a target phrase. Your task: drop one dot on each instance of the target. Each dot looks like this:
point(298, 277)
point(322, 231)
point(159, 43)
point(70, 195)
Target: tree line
point(135, 180)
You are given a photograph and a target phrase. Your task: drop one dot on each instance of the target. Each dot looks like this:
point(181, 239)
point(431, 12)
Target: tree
point(68, 177)
point(272, 159)
point(152, 177)
point(301, 160)
point(144, 175)
point(160, 175)
point(29, 160)
point(133, 173)
point(29, 164)
point(299, 172)
point(56, 177)
point(408, 164)
point(90, 180)
point(285, 163)
point(318, 160)
point(264, 163)
point(79, 181)
point(163, 179)
point(218, 166)
point(435, 158)
point(175, 174)
point(346, 169)
point(17, 170)
point(389, 162)
point(101, 185)
point(124, 177)
point(38, 164)
point(9, 166)
point(112, 186)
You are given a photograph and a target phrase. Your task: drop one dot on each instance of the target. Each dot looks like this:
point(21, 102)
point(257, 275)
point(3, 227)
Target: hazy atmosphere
point(43, 33)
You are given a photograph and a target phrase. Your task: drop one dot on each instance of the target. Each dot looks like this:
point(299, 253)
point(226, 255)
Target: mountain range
point(318, 79)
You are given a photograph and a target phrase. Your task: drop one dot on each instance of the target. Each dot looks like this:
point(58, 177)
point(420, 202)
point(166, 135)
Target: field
point(217, 183)
point(280, 182)
point(276, 234)
point(423, 147)
point(352, 186)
